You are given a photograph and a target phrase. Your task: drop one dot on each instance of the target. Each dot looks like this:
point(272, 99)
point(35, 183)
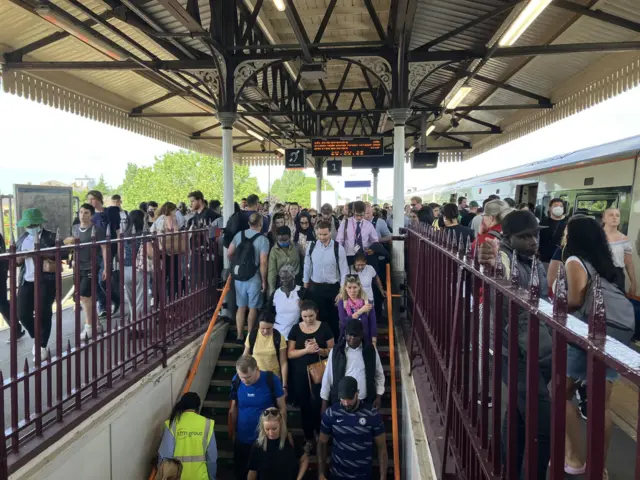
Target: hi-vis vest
point(192, 435)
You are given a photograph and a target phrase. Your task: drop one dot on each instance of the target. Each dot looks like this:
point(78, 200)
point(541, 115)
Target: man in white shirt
point(354, 358)
point(325, 267)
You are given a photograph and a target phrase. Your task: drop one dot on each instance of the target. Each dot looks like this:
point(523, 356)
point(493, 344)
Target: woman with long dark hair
point(304, 232)
point(133, 235)
point(277, 221)
point(586, 255)
point(188, 437)
point(425, 215)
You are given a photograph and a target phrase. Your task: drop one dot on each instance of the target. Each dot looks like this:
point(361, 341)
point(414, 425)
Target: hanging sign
point(346, 147)
point(294, 158)
point(334, 168)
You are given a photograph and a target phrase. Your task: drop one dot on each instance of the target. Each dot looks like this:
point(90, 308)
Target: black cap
point(520, 221)
point(347, 388)
point(284, 230)
point(354, 328)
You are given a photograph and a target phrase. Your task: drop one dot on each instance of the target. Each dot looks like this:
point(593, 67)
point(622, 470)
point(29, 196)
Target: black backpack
point(235, 385)
point(276, 342)
point(243, 266)
point(236, 223)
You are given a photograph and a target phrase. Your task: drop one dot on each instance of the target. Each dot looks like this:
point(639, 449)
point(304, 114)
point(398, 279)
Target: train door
point(526, 193)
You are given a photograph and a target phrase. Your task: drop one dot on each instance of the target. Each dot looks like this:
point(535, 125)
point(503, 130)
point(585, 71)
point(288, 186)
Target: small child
point(354, 304)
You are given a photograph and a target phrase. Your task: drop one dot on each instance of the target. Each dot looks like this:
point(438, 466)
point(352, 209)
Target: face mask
point(33, 231)
point(557, 211)
point(284, 244)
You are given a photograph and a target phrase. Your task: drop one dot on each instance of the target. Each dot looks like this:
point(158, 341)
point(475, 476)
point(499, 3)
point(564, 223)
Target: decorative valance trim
point(618, 82)
point(33, 88)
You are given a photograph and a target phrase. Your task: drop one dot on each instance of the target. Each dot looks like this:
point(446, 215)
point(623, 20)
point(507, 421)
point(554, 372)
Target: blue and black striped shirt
point(353, 434)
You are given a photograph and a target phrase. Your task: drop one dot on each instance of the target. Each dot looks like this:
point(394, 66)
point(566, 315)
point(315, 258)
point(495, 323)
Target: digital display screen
point(346, 147)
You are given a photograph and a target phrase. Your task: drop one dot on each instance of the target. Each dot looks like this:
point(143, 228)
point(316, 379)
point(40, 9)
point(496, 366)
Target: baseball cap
point(347, 388)
point(354, 328)
point(497, 208)
point(520, 221)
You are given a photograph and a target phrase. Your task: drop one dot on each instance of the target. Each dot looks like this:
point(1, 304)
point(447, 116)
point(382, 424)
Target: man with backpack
point(325, 268)
point(249, 254)
point(252, 392)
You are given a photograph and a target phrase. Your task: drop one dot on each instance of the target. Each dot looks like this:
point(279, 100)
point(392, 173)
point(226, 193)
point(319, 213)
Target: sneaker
point(102, 314)
point(239, 341)
point(21, 334)
point(87, 332)
point(44, 353)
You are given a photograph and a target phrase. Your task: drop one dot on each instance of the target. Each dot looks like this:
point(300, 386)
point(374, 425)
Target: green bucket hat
point(31, 216)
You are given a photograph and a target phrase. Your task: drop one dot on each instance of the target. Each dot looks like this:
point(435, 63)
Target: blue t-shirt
point(353, 434)
point(252, 401)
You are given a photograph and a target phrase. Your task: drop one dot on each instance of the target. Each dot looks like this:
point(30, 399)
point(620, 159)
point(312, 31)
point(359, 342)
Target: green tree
point(175, 174)
point(103, 187)
point(295, 186)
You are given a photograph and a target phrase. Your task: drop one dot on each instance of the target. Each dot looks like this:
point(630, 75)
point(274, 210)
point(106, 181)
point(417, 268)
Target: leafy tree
point(175, 174)
point(295, 186)
point(104, 187)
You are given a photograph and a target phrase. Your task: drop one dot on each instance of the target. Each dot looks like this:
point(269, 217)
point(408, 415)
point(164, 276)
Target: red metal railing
point(43, 399)
point(460, 312)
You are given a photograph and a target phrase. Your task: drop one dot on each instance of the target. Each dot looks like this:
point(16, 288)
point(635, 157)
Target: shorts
point(577, 365)
point(249, 292)
point(85, 284)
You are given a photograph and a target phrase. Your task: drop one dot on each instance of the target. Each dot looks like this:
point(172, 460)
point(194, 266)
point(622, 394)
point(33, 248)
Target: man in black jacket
point(353, 357)
point(32, 221)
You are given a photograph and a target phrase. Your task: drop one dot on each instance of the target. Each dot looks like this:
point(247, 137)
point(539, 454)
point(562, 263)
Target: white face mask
point(33, 231)
point(557, 211)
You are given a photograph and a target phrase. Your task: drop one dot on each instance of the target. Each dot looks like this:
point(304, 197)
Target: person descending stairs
point(216, 406)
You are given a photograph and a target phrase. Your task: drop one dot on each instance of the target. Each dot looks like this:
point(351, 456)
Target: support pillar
point(399, 117)
point(318, 184)
point(375, 172)
point(227, 119)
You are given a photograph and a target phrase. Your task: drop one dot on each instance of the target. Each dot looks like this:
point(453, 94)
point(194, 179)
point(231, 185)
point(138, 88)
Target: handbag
point(315, 372)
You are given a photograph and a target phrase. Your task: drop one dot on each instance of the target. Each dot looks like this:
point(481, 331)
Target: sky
point(39, 143)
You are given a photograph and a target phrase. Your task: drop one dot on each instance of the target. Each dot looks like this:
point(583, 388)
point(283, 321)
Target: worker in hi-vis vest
point(188, 438)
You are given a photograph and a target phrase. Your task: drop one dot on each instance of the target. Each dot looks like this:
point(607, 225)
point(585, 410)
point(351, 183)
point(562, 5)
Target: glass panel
point(594, 206)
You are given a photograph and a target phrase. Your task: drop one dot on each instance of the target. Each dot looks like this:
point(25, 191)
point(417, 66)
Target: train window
point(595, 205)
point(588, 181)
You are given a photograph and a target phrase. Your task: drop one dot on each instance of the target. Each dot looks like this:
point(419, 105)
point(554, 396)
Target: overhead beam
point(525, 51)
point(325, 21)
point(376, 20)
point(483, 18)
point(479, 122)
point(486, 108)
point(161, 99)
point(502, 85)
point(598, 15)
point(298, 30)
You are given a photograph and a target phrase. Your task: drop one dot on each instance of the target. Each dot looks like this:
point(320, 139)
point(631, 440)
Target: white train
point(589, 181)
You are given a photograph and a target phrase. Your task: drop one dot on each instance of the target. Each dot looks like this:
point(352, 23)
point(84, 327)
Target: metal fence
point(465, 330)
point(178, 273)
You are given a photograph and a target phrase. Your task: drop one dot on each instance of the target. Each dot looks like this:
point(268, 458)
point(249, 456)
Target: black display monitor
point(424, 160)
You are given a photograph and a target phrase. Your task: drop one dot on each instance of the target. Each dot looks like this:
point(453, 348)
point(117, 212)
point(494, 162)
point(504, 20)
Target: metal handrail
point(191, 374)
point(392, 364)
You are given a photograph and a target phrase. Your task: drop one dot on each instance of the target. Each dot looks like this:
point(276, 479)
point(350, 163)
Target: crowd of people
point(309, 286)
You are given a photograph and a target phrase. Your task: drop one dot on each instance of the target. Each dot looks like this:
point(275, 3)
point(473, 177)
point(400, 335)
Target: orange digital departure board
point(346, 147)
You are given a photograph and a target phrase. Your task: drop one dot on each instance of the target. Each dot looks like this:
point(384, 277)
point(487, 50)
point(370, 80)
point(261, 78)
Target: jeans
point(4, 302)
point(26, 308)
point(101, 291)
point(544, 415)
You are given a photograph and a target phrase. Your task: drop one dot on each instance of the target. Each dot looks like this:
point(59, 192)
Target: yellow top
point(265, 352)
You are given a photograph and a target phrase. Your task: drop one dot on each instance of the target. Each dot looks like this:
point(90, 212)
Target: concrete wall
point(416, 459)
point(120, 440)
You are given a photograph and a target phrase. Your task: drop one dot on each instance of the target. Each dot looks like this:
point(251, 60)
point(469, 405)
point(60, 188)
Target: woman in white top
point(286, 301)
point(367, 275)
point(620, 249)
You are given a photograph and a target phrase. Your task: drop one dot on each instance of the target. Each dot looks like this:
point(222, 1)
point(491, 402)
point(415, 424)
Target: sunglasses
point(274, 412)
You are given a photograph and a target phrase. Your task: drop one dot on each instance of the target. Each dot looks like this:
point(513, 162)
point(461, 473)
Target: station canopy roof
point(298, 69)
